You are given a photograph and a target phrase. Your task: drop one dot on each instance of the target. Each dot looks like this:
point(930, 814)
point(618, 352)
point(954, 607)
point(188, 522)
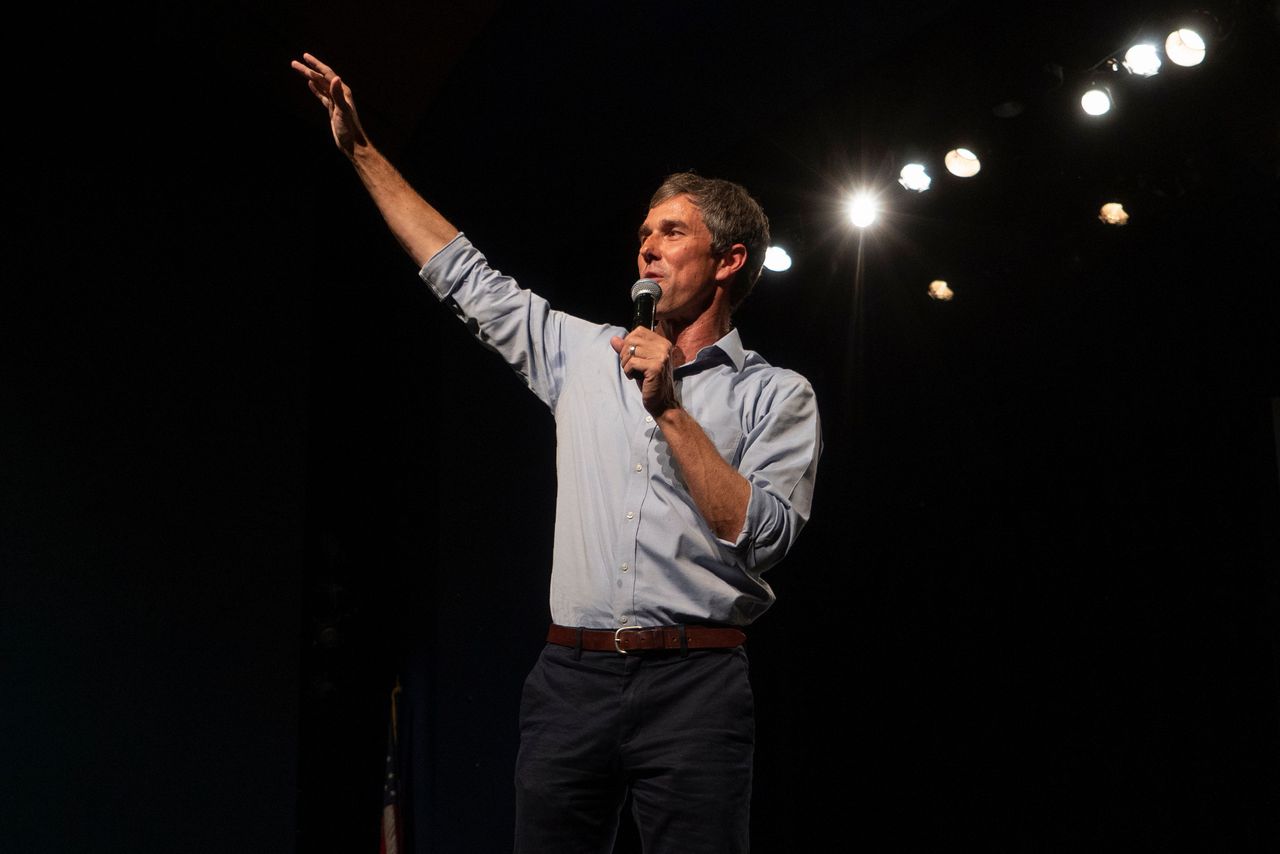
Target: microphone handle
point(644, 314)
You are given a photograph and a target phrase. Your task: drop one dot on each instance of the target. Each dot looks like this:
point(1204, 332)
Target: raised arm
point(419, 227)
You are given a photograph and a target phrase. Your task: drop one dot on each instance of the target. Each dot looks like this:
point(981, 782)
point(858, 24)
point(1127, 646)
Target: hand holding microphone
point(645, 353)
point(645, 294)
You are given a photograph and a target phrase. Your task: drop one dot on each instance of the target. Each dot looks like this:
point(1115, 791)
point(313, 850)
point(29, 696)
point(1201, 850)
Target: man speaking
point(685, 469)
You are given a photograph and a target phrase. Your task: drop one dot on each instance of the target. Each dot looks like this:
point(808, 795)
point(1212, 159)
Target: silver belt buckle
point(617, 636)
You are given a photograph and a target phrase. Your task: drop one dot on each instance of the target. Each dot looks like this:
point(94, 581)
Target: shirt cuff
point(440, 271)
point(746, 535)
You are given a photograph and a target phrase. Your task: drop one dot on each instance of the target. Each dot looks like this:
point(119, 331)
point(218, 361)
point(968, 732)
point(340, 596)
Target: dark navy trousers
point(676, 731)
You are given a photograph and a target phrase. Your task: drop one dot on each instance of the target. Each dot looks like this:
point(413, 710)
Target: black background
point(253, 473)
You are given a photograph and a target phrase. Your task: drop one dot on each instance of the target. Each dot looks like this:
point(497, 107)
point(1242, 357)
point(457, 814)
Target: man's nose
point(649, 249)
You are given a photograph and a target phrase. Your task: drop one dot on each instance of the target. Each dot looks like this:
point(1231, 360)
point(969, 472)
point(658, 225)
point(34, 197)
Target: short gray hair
point(731, 215)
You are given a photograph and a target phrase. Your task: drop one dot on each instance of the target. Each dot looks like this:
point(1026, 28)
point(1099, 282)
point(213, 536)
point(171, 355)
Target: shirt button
point(625, 567)
point(639, 467)
point(623, 619)
point(631, 514)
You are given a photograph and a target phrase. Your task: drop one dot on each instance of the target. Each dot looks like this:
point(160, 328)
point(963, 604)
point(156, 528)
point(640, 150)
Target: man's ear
point(733, 260)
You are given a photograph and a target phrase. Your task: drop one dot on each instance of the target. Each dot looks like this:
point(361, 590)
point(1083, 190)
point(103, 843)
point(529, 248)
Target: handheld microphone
point(645, 294)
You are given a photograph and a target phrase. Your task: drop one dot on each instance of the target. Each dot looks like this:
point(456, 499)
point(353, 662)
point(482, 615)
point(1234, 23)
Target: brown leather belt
point(629, 639)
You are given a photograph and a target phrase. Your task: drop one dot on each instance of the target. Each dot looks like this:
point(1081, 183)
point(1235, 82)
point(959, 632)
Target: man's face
point(675, 251)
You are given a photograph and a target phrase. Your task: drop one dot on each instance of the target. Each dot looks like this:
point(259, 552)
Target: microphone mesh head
point(646, 287)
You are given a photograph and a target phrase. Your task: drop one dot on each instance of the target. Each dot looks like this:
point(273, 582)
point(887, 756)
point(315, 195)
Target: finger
point(340, 94)
point(310, 73)
point(321, 94)
point(317, 64)
point(313, 79)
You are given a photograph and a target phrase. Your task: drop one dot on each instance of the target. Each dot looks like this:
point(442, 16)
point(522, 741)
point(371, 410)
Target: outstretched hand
point(336, 97)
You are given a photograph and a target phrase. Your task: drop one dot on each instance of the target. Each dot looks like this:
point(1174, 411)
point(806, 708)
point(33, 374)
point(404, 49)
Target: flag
point(391, 821)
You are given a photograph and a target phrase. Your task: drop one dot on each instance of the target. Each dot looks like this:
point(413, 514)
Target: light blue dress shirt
point(631, 547)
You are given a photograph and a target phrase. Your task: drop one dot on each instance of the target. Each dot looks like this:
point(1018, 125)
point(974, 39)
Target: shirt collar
point(727, 349)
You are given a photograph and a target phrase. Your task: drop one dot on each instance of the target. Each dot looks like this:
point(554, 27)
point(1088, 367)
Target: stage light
point(962, 163)
point(1185, 47)
point(1096, 101)
point(939, 290)
point(1142, 60)
point(862, 210)
point(1113, 213)
point(913, 177)
point(777, 259)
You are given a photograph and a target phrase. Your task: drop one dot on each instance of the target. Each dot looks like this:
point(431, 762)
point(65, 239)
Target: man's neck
point(708, 328)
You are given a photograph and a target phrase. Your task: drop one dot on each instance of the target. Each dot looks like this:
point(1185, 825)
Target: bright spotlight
point(862, 210)
point(777, 259)
point(1184, 47)
point(1142, 60)
point(914, 177)
point(1097, 101)
point(1113, 213)
point(939, 290)
point(962, 163)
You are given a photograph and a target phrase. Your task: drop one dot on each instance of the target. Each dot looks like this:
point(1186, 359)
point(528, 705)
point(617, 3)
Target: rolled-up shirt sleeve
point(516, 323)
point(780, 462)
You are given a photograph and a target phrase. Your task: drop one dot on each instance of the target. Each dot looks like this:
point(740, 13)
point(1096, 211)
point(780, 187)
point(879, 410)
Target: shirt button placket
point(636, 491)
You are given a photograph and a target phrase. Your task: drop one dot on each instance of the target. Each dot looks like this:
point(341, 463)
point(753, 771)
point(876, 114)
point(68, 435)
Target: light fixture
point(1096, 101)
point(1113, 213)
point(939, 290)
point(962, 163)
point(777, 259)
point(862, 210)
point(1142, 60)
point(1185, 47)
point(913, 177)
